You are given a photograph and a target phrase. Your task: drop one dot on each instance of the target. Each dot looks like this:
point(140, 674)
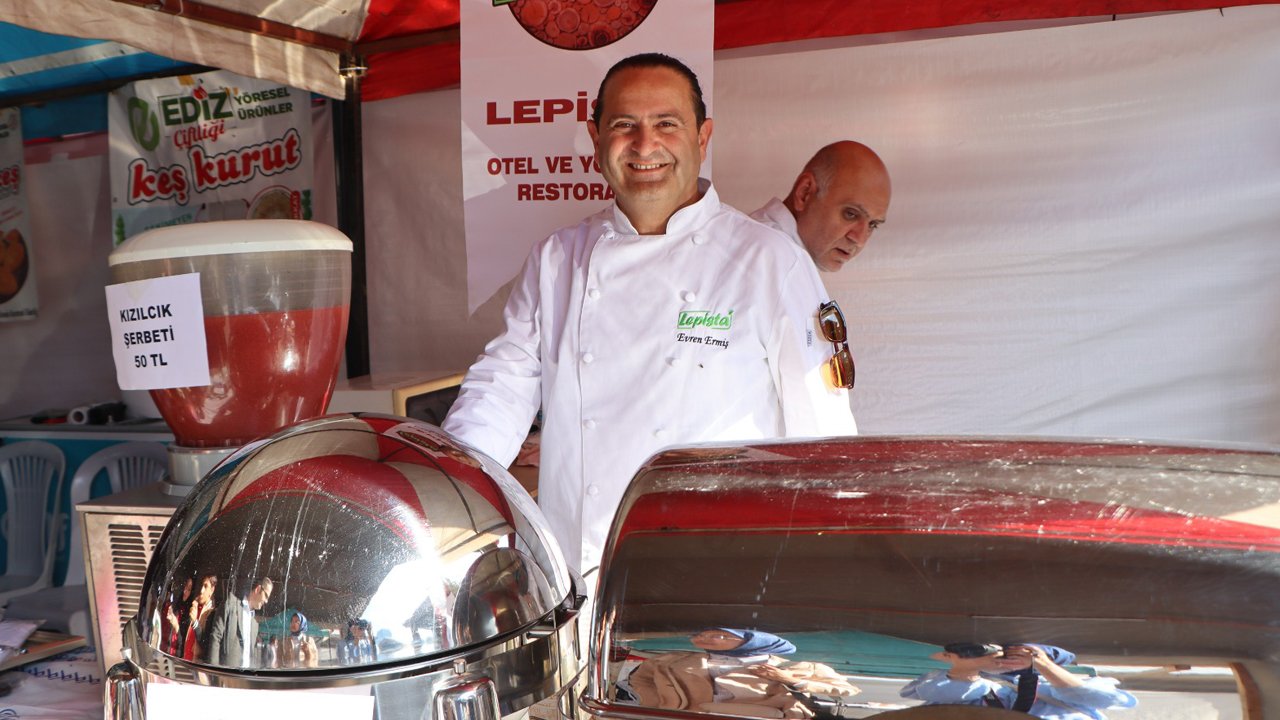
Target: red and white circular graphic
point(580, 24)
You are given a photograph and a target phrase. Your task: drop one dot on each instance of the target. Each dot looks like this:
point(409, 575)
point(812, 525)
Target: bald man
point(838, 200)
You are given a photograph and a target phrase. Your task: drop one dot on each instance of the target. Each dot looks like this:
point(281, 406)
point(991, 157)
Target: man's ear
point(704, 137)
point(806, 187)
point(593, 130)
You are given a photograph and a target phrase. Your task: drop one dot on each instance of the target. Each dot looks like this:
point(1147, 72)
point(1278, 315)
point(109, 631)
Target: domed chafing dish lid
point(384, 540)
point(870, 554)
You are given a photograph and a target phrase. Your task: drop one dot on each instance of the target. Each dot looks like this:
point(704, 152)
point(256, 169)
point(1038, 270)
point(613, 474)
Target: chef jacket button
point(688, 296)
point(593, 293)
point(587, 358)
point(673, 361)
point(593, 490)
point(698, 238)
point(588, 423)
point(660, 433)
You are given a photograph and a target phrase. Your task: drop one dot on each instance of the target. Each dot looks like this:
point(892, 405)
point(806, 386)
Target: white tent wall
point(1083, 237)
point(57, 358)
point(416, 265)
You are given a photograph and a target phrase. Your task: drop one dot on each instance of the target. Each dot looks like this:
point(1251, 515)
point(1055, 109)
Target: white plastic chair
point(128, 465)
point(66, 608)
point(31, 471)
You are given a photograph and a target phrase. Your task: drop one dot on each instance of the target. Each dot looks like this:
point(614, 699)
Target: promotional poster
point(215, 146)
point(17, 271)
point(529, 81)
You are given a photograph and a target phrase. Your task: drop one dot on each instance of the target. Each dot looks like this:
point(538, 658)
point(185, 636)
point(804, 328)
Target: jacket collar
point(778, 214)
point(685, 220)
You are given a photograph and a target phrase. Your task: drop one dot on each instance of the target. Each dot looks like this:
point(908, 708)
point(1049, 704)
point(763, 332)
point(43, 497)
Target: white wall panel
point(1083, 234)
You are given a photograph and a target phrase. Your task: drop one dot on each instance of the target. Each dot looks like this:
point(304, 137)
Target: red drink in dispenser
point(275, 296)
point(288, 363)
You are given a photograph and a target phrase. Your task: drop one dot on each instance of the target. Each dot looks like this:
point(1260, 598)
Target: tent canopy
point(68, 76)
point(405, 46)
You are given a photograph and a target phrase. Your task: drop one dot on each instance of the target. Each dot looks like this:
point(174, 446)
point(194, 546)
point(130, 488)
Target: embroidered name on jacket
point(704, 320)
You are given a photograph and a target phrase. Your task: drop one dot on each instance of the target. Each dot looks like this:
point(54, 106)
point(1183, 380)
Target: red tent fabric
point(739, 23)
point(409, 46)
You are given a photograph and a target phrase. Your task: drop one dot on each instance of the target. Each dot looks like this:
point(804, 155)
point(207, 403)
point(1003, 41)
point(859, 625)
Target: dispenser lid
point(228, 237)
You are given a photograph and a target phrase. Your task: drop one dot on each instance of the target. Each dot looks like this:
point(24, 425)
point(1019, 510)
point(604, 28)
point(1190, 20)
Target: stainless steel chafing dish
point(360, 550)
point(1156, 565)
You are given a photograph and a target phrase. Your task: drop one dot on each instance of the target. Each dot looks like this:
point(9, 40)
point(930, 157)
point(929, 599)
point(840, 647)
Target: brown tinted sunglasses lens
point(842, 368)
point(832, 325)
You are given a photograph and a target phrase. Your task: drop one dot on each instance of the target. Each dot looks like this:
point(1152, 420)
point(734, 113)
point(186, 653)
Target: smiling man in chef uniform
point(668, 318)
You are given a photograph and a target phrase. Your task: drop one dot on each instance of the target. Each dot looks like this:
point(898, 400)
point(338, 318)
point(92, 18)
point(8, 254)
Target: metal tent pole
point(348, 153)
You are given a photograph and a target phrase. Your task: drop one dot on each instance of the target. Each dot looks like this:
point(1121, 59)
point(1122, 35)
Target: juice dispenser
point(275, 297)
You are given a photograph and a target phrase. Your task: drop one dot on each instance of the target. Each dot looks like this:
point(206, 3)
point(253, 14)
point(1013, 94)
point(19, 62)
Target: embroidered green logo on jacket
point(694, 319)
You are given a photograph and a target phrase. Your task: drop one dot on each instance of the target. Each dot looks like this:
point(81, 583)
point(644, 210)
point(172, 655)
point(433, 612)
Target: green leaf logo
point(144, 124)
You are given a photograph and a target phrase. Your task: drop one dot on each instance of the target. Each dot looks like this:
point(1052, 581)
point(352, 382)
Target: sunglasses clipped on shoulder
point(834, 329)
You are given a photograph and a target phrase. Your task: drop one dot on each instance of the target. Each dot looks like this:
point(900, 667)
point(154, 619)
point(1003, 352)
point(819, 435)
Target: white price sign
point(175, 701)
point(157, 333)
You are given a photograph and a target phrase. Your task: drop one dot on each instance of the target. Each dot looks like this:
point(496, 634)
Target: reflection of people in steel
point(234, 630)
point(740, 673)
point(271, 653)
point(300, 648)
point(1028, 678)
point(198, 615)
point(358, 648)
point(177, 619)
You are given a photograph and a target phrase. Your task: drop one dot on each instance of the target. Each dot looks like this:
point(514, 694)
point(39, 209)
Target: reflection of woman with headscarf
point(300, 648)
point(740, 673)
point(1028, 678)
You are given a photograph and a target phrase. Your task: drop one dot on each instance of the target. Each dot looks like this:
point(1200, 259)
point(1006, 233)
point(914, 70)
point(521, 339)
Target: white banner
point(215, 146)
point(17, 269)
point(529, 78)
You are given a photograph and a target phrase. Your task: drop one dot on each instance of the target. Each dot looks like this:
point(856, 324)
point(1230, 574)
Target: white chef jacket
point(631, 342)
point(777, 216)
